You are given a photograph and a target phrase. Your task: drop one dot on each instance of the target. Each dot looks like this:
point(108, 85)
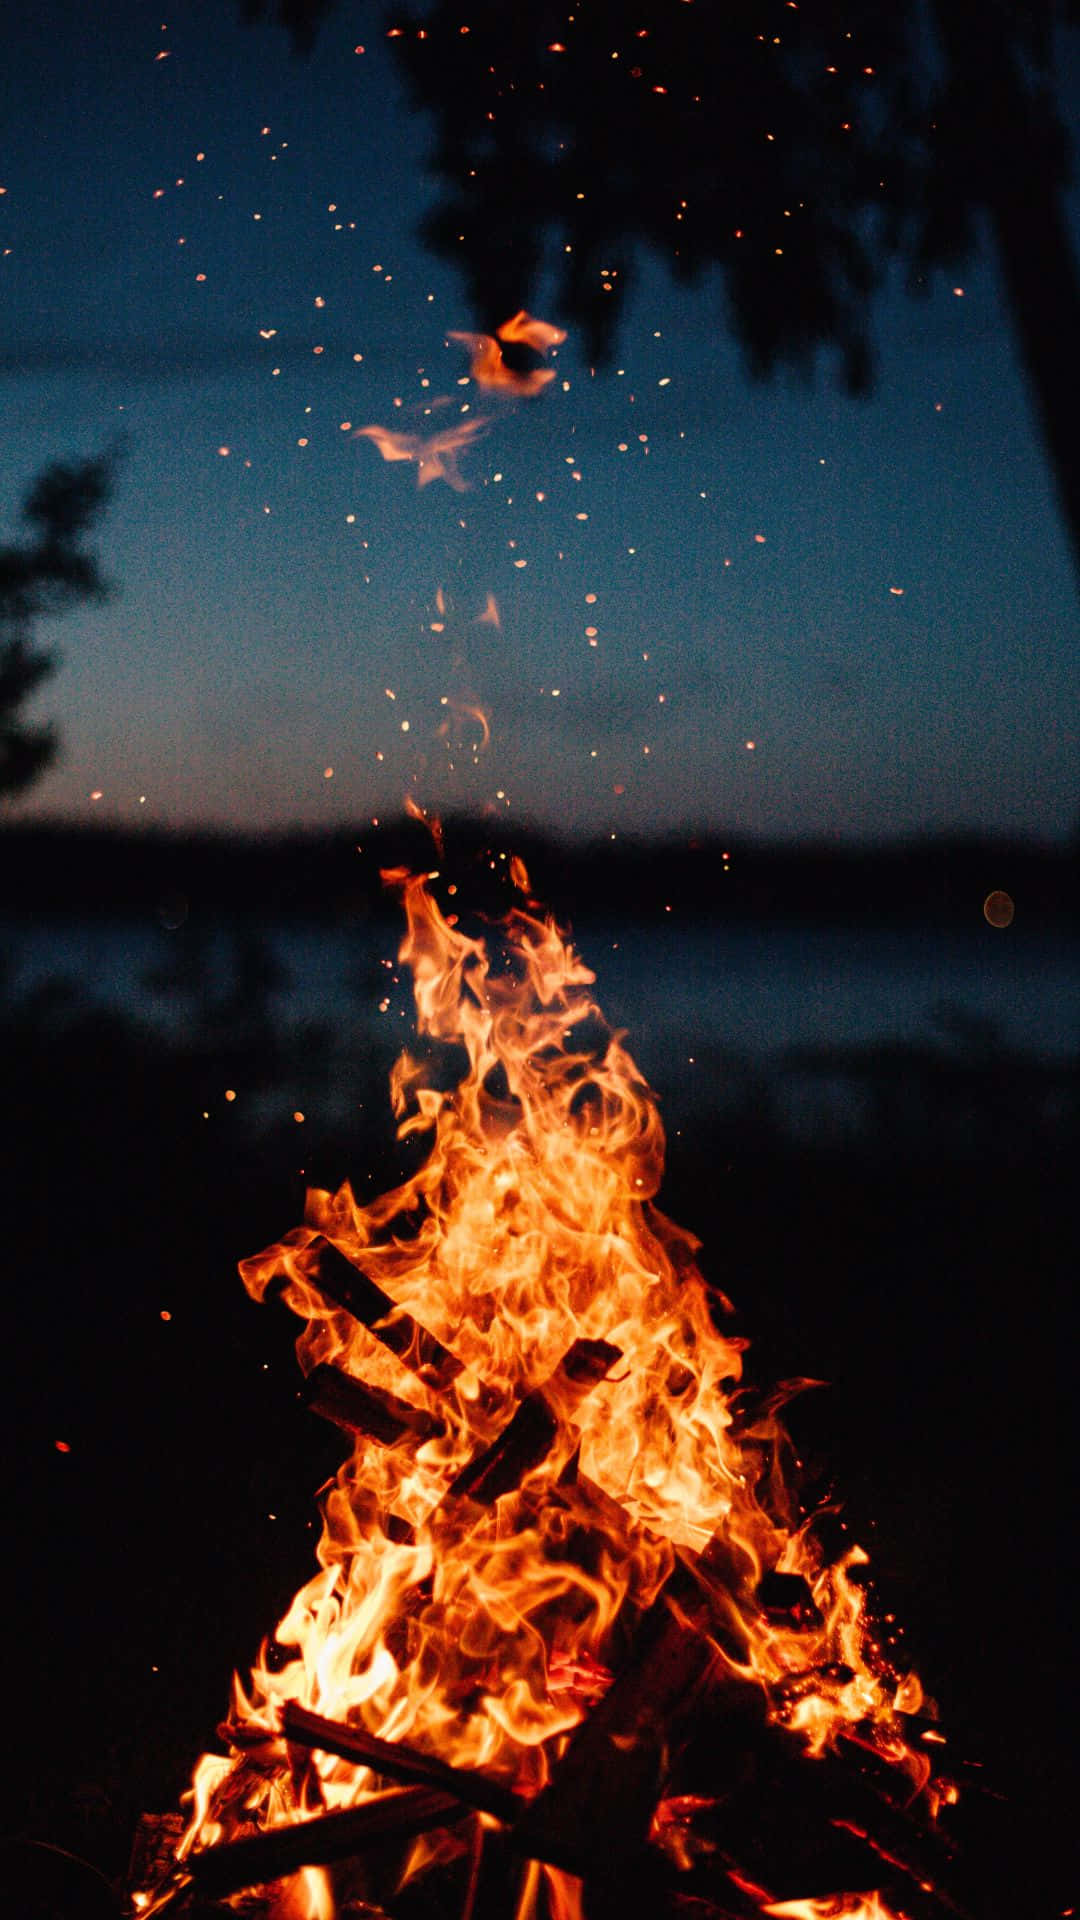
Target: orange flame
point(435, 454)
point(429, 820)
point(453, 1610)
point(488, 365)
point(842, 1906)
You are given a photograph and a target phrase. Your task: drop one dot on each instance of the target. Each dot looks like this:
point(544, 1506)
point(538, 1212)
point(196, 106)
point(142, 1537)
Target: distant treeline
point(333, 875)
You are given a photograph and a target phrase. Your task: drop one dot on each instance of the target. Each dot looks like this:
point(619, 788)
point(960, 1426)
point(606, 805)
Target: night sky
point(208, 254)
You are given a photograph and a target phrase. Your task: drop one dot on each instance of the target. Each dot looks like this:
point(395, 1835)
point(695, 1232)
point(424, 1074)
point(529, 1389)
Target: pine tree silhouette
point(40, 577)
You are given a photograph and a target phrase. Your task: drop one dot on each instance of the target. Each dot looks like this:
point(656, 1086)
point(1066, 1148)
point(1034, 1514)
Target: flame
point(488, 365)
point(842, 1906)
point(435, 454)
point(522, 1291)
point(429, 820)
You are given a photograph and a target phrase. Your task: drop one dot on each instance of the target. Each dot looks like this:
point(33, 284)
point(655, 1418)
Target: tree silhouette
point(41, 577)
point(797, 148)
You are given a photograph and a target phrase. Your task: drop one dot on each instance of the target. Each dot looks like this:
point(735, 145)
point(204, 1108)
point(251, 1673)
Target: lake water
point(747, 991)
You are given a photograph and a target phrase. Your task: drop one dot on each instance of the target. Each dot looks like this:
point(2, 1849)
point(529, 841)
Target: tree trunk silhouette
point(1023, 177)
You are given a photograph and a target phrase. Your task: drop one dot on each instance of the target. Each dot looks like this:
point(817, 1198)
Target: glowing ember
point(558, 1512)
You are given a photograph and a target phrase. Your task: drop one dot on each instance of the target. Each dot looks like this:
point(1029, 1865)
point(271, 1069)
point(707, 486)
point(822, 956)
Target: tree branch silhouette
point(795, 151)
point(39, 578)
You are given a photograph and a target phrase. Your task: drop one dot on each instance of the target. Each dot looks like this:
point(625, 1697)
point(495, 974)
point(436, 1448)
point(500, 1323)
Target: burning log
point(336, 1277)
point(395, 1760)
point(381, 1416)
point(531, 1433)
point(814, 1850)
point(528, 1437)
point(261, 1857)
point(839, 1827)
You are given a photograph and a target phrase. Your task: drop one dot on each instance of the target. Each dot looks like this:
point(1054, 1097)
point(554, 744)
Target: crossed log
point(764, 1816)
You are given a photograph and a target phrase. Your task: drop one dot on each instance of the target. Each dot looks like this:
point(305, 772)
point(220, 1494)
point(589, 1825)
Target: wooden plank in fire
point(528, 1437)
point(347, 1402)
point(600, 1805)
point(523, 1443)
point(329, 1271)
point(217, 1871)
point(529, 1434)
point(805, 1854)
point(394, 1760)
point(774, 1819)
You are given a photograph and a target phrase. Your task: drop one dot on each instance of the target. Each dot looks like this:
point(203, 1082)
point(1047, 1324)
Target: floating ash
point(573, 1645)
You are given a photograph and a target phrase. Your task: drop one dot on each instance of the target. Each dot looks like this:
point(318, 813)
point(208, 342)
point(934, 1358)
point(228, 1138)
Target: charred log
point(531, 1433)
point(396, 1761)
point(348, 1286)
point(601, 1802)
point(262, 1857)
point(371, 1411)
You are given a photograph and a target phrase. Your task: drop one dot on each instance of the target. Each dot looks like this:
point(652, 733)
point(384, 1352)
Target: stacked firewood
point(680, 1793)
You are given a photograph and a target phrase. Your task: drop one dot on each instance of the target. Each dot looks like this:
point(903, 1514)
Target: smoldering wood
point(379, 1415)
point(802, 1827)
point(676, 1702)
point(648, 1883)
point(602, 1798)
point(530, 1434)
point(262, 1857)
point(395, 1760)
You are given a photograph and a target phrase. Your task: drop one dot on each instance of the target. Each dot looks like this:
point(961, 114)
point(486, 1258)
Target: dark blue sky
point(877, 595)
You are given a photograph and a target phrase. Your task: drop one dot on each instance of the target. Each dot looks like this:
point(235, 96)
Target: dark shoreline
point(57, 870)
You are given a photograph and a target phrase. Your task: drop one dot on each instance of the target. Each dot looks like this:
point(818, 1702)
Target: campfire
point(574, 1646)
